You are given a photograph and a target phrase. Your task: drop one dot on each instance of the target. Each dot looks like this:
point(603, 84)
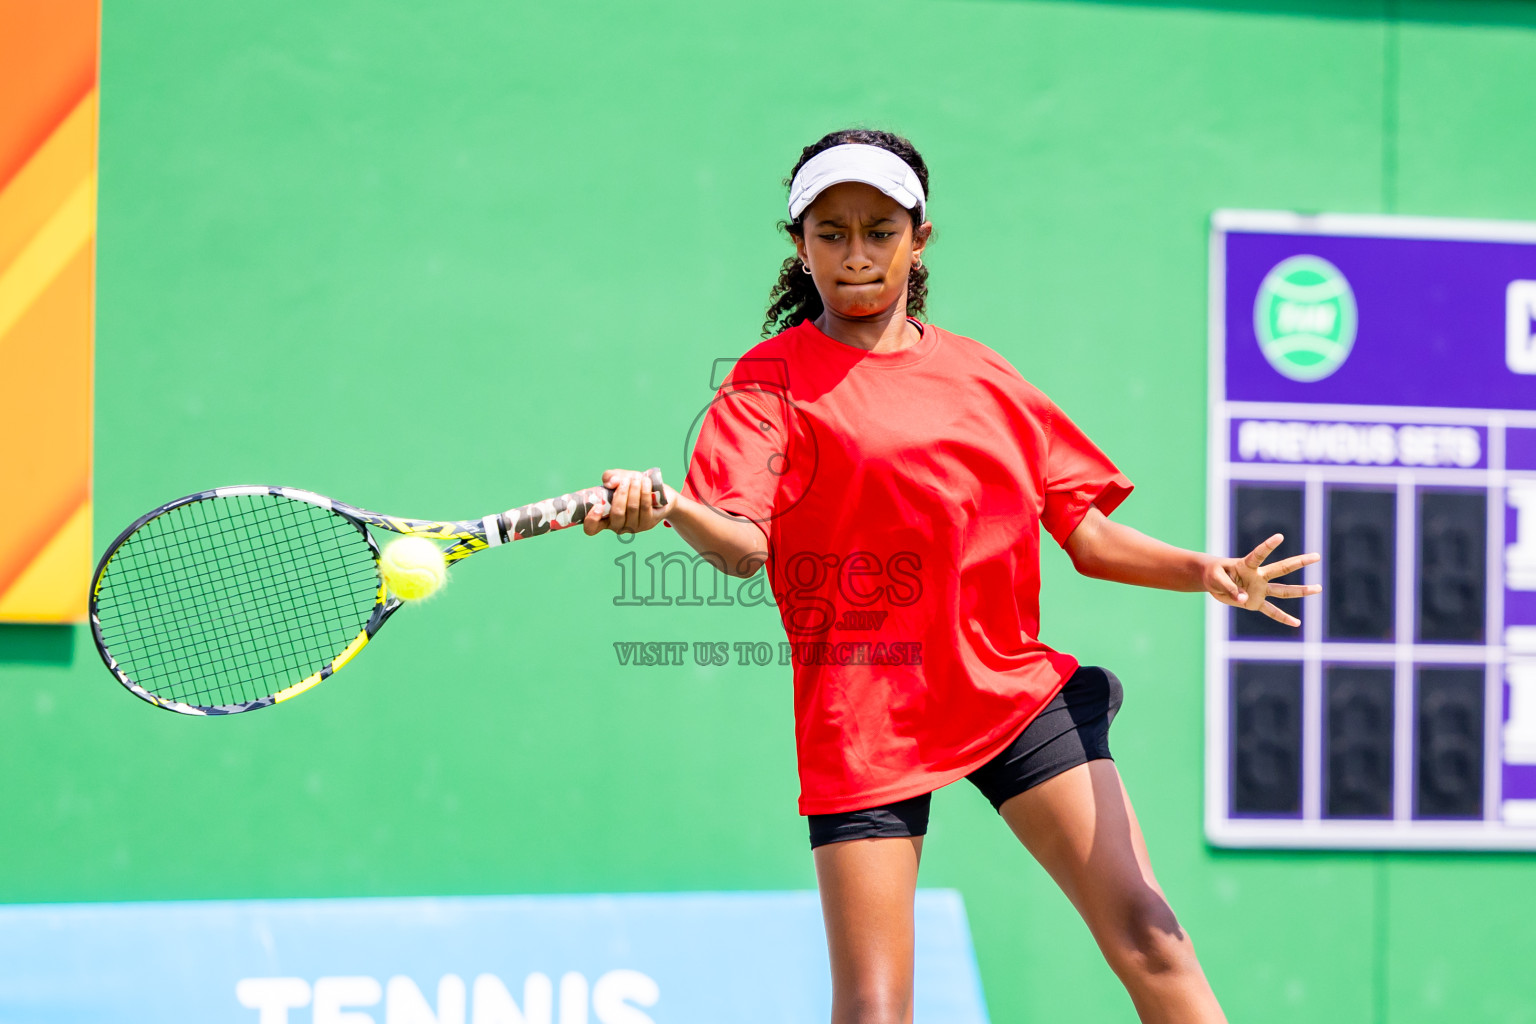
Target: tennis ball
point(413, 567)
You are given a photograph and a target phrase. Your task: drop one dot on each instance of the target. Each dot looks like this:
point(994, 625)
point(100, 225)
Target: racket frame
point(469, 536)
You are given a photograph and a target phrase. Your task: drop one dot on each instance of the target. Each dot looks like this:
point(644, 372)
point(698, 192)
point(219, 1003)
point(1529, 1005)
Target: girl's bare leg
point(867, 887)
point(1080, 827)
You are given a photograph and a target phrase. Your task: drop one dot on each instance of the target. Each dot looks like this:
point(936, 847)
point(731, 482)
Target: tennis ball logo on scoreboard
point(1304, 317)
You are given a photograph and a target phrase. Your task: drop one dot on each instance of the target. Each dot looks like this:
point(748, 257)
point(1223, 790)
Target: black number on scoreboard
point(1453, 565)
point(1359, 728)
point(1448, 766)
point(1266, 738)
point(1259, 512)
point(1361, 563)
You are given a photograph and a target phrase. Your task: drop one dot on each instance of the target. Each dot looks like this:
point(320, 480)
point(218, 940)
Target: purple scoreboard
point(1373, 397)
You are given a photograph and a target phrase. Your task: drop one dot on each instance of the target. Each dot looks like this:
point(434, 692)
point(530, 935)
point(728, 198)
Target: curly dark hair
point(794, 298)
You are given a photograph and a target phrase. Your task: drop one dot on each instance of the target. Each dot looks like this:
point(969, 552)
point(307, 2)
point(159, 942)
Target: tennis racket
point(236, 598)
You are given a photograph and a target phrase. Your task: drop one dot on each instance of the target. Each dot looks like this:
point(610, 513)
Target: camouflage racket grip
point(568, 510)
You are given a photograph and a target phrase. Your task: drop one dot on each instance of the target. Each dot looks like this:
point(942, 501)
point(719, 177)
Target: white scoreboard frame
point(1312, 830)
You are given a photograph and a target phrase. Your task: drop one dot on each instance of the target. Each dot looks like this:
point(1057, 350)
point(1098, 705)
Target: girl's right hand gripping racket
point(236, 598)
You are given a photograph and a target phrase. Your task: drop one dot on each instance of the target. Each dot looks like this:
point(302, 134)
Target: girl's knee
point(1148, 939)
point(872, 1004)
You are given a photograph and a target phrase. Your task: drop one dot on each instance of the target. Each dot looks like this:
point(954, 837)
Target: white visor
point(857, 162)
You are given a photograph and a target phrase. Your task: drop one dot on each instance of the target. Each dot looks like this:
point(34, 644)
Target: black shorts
point(1072, 729)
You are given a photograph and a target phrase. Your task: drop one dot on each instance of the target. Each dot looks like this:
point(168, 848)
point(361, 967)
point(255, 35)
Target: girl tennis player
point(895, 478)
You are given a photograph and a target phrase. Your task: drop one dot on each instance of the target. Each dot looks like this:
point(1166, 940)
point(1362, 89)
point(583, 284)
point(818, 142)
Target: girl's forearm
point(734, 546)
point(1108, 550)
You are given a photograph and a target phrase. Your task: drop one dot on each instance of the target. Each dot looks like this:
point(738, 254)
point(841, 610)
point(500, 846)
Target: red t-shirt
point(901, 496)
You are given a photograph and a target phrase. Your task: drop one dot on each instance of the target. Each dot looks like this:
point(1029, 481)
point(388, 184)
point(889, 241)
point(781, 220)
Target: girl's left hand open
point(1245, 582)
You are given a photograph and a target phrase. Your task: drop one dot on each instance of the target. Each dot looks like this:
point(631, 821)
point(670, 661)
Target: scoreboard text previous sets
point(1373, 397)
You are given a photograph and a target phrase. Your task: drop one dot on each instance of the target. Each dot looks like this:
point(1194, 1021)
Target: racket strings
point(178, 646)
point(266, 604)
point(183, 635)
point(231, 600)
point(266, 600)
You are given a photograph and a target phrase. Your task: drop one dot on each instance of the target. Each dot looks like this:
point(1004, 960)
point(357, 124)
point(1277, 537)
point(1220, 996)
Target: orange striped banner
point(48, 62)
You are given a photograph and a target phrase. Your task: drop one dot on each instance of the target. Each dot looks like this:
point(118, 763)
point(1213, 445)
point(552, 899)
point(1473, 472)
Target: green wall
point(440, 259)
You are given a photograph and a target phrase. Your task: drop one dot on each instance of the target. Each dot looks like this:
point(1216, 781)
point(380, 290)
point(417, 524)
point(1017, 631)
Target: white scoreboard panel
point(1373, 398)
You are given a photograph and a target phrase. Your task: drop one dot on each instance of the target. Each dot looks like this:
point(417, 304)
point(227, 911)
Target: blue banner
point(686, 958)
